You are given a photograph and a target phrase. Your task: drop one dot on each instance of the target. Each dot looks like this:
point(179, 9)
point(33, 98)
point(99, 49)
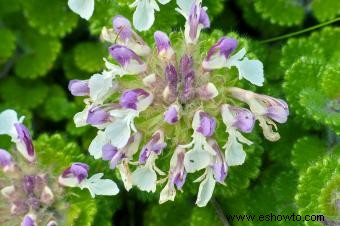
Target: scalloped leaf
point(70, 69)
point(306, 151)
point(51, 17)
point(325, 10)
point(39, 54)
point(295, 80)
point(330, 81)
point(308, 196)
point(282, 12)
point(320, 108)
point(6, 8)
point(24, 96)
point(7, 44)
point(88, 56)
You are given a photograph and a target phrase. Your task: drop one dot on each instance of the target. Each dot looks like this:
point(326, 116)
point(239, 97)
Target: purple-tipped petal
point(24, 144)
point(207, 91)
point(122, 27)
point(224, 47)
point(130, 98)
point(5, 159)
point(198, 19)
point(109, 151)
point(220, 168)
point(79, 87)
point(28, 184)
point(207, 124)
point(278, 112)
point(155, 145)
point(204, 19)
point(177, 171)
point(28, 220)
point(97, 116)
point(170, 93)
point(77, 170)
point(162, 41)
point(186, 69)
point(123, 55)
point(171, 116)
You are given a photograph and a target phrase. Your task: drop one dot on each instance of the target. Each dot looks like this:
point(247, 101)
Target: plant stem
point(219, 211)
point(301, 31)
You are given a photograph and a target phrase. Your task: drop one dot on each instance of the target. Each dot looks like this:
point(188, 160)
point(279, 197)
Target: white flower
point(144, 16)
point(98, 186)
point(82, 7)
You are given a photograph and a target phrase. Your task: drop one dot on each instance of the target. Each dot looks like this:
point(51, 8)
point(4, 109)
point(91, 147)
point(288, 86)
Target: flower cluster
point(150, 97)
point(33, 195)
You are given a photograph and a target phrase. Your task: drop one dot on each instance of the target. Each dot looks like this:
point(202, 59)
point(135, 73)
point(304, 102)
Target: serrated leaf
point(51, 17)
point(27, 94)
point(7, 44)
point(306, 151)
point(88, 56)
point(320, 108)
point(325, 9)
point(39, 54)
point(276, 11)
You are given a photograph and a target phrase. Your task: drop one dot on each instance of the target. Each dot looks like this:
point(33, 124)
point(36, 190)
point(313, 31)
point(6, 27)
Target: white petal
point(167, 194)
point(236, 57)
point(216, 61)
point(163, 2)
point(81, 117)
point(96, 146)
point(195, 160)
point(68, 182)
point(118, 132)
point(145, 179)
point(251, 70)
point(82, 7)
point(205, 190)
point(7, 120)
point(126, 176)
point(234, 152)
point(143, 17)
point(100, 87)
point(184, 6)
point(98, 186)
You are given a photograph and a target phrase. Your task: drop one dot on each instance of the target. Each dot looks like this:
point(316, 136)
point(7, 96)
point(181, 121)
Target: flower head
point(168, 90)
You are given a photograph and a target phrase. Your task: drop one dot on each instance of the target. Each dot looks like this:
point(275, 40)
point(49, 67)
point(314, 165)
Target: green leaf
point(306, 151)
point(6, 8)
point(51, 17)
point(204, 217)
point(88, 56)
point(308, 198)
point(24, 97)
point(277, 11)
point(7, 44)
point(330, 81)
point(320, 108)
point(39, 54)
point(325, 9)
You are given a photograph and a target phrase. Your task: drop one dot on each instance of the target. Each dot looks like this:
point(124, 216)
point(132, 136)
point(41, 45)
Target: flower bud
point(155, 145)
point(171, 116)
point(79, 87)
point(74, 175)
point(207, 92)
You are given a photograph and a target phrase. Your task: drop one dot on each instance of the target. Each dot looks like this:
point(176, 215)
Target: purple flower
point(122, 27)
point(163, 45)
point(29, 183)
point(170, 92)
point(177, 171)
point(224, 47)
point(155, 145)
point(277, 110)
point(29, 220)
point(198, 19)
point(124, 56)
point(171, 116)
point(25, 145)
point(97, 116)
point(5, 159)
point(220, 168)
point(186, 69)
point(79, 87)
point(207, 124)
point(113, 155)
point(131, 98)
point(77, 170)
point(240, 118)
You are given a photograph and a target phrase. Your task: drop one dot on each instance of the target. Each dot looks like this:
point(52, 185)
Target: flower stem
point(219, 211)
point(300, 32)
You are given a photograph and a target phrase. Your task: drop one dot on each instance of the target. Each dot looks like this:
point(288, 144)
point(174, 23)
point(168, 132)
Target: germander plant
point(170, 99)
